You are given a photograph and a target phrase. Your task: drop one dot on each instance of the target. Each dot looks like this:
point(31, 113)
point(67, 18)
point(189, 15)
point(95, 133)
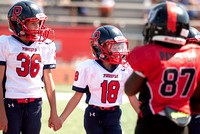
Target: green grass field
point(74, 124)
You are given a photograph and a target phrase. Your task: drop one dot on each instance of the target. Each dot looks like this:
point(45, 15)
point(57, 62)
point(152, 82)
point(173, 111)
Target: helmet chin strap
point(23, 34)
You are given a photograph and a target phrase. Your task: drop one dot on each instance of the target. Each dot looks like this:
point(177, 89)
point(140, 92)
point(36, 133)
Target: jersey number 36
point(29, 65)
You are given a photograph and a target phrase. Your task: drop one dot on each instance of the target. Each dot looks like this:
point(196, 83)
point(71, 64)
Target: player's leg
point(194, 124)
point(111, 121)
point(14, 112)
point(92, 122)
point(156, 124)
point(31, 120)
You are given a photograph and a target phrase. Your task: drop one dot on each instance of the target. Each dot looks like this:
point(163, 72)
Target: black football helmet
point(108, 44)
point(21, 14)
point(193, 36)
point(167, 22)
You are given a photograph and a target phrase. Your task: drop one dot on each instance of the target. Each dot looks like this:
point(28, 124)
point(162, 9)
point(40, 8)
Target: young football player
point(27, 58)
point(103, 82)
point(166, 72)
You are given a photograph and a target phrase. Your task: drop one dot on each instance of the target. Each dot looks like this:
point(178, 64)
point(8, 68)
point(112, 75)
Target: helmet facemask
point(114, 52)
point(195, 40)
point(193, 36)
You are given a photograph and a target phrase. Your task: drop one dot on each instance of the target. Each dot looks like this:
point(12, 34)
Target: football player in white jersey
point(103, 82)
point(27, 58)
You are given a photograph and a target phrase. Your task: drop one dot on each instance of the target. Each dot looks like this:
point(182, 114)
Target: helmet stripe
point(172, 16)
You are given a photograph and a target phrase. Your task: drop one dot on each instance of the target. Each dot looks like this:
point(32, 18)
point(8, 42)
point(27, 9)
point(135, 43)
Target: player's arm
point(71, 105)
point(195, 100)
point(134, 84)
point(134, 103)
point(80, 86)
point(50, 90)
point(3, 117)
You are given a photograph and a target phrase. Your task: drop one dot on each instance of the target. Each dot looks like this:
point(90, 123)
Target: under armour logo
point(92, 114)
point(10, 105)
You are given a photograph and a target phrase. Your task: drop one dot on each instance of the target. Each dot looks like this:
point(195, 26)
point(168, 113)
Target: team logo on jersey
point(29, 49)
point(110, 76)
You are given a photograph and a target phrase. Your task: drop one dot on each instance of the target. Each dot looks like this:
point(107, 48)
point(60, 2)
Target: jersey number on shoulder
point(170, 80)
point(29, 65)
point(109, 91)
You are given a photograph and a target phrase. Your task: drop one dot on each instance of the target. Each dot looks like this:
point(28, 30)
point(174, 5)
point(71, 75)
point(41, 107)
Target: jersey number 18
point(109, 91)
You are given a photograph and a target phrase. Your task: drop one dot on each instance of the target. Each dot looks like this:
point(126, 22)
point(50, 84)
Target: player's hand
point(55, 122)
point(3, 123)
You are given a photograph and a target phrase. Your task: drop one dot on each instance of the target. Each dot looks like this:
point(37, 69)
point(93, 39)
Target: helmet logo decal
point(16, 12)
point(172, 16)
point(96, 35)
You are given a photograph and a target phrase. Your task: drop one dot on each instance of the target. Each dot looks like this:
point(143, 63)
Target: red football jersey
point(171, 76)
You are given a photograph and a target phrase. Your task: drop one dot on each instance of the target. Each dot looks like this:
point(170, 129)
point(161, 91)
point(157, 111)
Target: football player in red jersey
point(27, 58)
point(103, 82)
point(166, 72)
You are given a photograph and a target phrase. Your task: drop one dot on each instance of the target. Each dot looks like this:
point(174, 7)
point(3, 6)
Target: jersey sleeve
point(80, 79)
point(135, 60)
point(50, 61)
point(3, 50)
point(141, 62)
point(130, 70)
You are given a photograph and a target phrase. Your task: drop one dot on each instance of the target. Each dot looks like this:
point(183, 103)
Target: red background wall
point(75, 42)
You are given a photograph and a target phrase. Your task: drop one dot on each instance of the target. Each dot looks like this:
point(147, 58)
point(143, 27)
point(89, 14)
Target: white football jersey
point(24, 66)
point(102, 87)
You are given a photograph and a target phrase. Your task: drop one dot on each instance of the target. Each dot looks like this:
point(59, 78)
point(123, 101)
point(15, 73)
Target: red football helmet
point(108, 44)
point(21, 15)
